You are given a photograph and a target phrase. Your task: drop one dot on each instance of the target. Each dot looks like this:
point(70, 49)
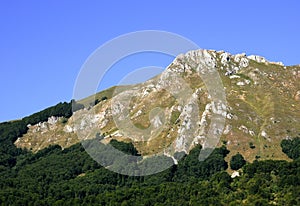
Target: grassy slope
point(267, 106)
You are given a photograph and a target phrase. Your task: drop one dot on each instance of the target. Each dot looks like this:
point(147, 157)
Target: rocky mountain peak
point(173, 111)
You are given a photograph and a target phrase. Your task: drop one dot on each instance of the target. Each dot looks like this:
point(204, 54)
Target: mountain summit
point(175, 110)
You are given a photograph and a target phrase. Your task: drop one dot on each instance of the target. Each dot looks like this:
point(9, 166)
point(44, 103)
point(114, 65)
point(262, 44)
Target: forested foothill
point(70, 176)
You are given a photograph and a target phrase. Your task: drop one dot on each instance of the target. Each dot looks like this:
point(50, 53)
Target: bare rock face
point(43, 134)
point(191, 60)
point(235, 174)
point(225, 57)
point(46, 126)
point(257, 58)
point(297, 96)
point(260, 59)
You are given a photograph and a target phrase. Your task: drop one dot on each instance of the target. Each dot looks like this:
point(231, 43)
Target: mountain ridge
point(263, 108)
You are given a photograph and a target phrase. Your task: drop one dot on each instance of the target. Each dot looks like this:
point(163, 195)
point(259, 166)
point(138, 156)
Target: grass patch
point(174, 116)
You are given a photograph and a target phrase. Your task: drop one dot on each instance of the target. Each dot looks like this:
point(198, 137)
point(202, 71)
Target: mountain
point(227, 107)
point(262, 108)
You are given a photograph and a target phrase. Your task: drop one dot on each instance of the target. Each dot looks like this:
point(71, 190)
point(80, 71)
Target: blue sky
point(45, 43)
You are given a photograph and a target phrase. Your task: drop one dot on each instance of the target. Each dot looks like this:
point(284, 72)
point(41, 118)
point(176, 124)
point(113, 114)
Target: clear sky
point(43, 44)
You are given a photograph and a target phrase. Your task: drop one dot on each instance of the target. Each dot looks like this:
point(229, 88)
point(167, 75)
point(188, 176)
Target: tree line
point(71, 177)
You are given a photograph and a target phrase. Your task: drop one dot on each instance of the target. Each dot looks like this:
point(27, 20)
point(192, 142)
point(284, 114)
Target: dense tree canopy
point(237, 161)
point(10, 131)
point(291, 147)
point(71, 177)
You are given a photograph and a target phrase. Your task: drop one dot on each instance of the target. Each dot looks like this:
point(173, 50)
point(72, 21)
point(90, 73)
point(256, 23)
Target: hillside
point(44, 158)
point(262, 109)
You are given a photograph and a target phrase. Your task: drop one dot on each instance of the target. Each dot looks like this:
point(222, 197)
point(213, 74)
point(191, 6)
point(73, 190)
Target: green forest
point(54, 176)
